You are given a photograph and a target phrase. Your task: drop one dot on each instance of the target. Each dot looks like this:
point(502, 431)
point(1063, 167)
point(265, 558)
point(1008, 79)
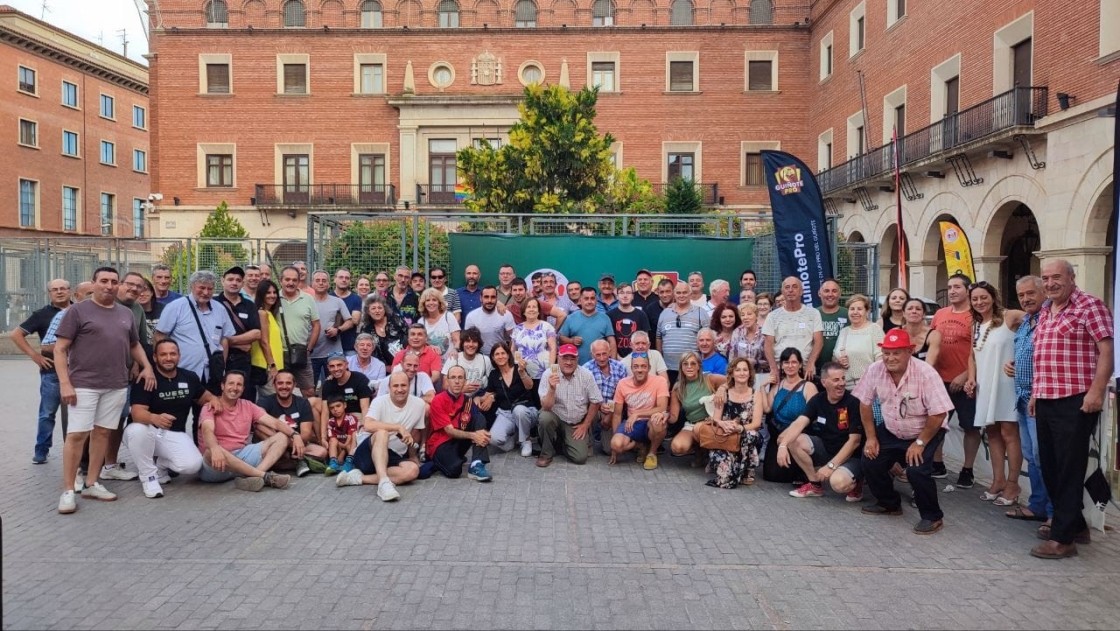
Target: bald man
point(50, 398)
point(794, 325)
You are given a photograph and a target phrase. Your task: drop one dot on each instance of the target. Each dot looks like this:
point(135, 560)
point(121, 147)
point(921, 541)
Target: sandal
point(1021, 514)
point(1003, 501)
point(988, 496)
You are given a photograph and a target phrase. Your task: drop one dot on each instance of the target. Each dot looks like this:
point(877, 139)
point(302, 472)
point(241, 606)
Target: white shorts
point(96, 406)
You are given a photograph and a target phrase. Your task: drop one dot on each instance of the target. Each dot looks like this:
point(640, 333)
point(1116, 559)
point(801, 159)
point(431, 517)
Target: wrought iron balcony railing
point(1018, 107)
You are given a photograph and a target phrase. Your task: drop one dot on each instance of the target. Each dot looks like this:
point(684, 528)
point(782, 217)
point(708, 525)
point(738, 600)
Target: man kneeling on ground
point(224, 439)
point(570, 401)
point(458, 427)
point(824, 440)
point(646, 399)
point(387, 445)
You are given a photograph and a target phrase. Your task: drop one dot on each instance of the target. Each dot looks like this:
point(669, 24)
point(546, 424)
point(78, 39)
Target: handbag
point(295, 355)
point(216, 367)
point(712, 436)
point(771, 472)
point(1097, 488)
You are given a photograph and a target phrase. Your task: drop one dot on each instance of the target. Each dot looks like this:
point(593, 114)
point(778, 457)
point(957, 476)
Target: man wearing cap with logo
point(607, 299)
point(246, 321)
point(914, 405)
point(570, 401)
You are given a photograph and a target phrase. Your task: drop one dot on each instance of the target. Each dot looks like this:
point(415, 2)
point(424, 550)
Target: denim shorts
point(639, 433)
point(250, 454)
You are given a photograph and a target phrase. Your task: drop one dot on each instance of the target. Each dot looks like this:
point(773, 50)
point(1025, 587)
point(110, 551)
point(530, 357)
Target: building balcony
point(999, 117)
point(709, 193)
point(444, 195)
point(370, 196)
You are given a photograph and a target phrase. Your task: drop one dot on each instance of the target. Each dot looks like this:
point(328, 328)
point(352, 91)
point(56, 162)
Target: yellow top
point(275, 344)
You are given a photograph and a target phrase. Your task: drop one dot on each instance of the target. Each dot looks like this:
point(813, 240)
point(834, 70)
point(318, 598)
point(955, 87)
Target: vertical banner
point(1116, 220)
point(800, 229)
point(900, 233)
point(958, 253)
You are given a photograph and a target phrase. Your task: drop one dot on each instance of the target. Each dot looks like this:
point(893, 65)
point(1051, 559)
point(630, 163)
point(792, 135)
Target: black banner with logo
point(800, 228)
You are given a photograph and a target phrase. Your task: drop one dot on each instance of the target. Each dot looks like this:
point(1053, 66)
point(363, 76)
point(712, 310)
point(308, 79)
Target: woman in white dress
point(993, 345)
point(858, 345)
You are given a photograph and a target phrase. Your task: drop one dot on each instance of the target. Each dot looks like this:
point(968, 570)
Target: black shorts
point(363, 457)
point(964, 408)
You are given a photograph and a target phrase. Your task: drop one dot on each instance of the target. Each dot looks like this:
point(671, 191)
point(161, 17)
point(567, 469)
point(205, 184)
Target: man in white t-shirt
point(419, 384)
point(794, 325)
point(495, 326)
point(387, 453)
point(640, 343)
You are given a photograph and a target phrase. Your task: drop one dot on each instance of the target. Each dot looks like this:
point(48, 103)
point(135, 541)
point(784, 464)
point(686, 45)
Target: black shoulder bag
point(295, 355)
point(216, 369)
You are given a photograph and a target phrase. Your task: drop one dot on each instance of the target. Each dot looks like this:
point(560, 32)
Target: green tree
point(683, 198)
point(214, 254)
point(555, 162)
point(370, 247)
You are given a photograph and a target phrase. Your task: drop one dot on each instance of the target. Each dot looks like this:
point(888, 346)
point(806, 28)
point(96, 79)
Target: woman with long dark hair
point(267, 354)
point(388, 330)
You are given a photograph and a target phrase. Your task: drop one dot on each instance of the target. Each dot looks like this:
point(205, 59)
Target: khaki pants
point(556, 433)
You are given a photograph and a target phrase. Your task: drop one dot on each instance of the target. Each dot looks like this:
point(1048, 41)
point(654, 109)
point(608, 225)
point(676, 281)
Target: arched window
point(602, 13)
point(682, 13)
point(448, 14)
point(525, 14)
point(371, 14)
point(762, 12)
point(294, 14)
point(217, 13)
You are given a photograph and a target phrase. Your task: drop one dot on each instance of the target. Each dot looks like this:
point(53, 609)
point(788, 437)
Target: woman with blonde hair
point(858, 345)
point(442, 327)
point(692, 385)
point(747, 341)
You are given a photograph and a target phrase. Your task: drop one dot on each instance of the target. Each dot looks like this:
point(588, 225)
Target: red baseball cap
point(569, 349)
point(895, 339)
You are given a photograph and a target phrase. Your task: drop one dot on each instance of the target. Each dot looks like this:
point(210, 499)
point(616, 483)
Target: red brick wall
point(47, 164)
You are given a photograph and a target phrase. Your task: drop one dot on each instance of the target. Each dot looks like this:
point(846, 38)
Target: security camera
point(155, 197)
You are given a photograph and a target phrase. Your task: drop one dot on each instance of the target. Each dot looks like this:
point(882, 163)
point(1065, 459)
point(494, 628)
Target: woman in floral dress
point(742, 413)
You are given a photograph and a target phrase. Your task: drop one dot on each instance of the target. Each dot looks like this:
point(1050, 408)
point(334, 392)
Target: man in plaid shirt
point(1072, 366)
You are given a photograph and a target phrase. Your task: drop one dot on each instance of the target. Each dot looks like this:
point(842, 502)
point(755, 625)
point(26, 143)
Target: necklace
point(977, 341)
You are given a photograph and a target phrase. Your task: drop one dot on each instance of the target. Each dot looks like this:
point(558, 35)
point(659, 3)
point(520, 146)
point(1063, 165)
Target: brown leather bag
point(712, 436)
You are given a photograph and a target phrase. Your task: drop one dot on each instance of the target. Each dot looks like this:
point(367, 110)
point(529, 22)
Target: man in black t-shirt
point(298, 413)
point(626, 319)
point(159, 421)
point(50, 396)
point(824, 441)
point(246, 321)
point(352, 386)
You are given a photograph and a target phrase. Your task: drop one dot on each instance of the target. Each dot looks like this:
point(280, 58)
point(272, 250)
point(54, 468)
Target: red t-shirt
point(956, 342)
point(430, 361)
point(446, 412)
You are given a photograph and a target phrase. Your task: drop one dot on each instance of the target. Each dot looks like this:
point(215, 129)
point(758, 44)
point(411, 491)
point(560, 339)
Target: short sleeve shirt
point(573, 394)
point(430, 361)
point(410, 416)
point(607, 382)
point(177, 322)
point(332, 312)
point(907, 405)
point(101, 340)
point(446, 411)
point(637, 397)
point(657, 364)
point(353, 391)
point(590, 328)
point(833, 422)
point(793, 329)
point(832, 323)
point(174, 395)
point(418, 387)
point(353, 303)
point(677, 332)
point(1065, 346)
point(956, 341)
point(492, 325)
point(38, 323)
point(626, 324)
point(233, 426)
point(298, 314)
point(294, 414)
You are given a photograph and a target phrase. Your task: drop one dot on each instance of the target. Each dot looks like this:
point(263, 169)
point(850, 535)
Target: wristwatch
point(832, 465)
point(919, 442)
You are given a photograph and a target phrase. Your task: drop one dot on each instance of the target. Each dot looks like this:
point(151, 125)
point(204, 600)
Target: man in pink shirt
point(224, 440)
point(914, 404)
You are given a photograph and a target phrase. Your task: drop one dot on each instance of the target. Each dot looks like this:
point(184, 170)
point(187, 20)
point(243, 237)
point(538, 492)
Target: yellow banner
point(958, 254)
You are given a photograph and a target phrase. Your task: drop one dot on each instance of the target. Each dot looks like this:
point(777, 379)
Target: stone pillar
point(886, 276)
point(408, 166)
point(923, 279)
point(1090, 264)
point(987, 268)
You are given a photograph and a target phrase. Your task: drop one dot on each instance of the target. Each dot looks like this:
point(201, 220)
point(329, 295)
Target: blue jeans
point(1039, 502)
point(50, 399)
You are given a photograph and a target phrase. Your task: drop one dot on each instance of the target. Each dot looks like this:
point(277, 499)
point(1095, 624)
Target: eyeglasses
point(436, 276)
point(982, 285)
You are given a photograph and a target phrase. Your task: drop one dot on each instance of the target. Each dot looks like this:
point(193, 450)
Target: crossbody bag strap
point(194, 312)
point(237, 323)
point(786, 400)
point(284, 327)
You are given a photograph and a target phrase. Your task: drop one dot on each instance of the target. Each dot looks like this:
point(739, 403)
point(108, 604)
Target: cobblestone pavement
point(583, 547)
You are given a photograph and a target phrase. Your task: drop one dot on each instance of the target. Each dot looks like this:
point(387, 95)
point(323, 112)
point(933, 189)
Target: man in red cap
point(570, 402)
point(914, 405)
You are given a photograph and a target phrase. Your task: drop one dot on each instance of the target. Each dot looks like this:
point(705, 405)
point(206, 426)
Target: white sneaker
point(152, 489)
point(527, 448)
point(79, 482)
point(68, 503)
point(99, 492)
point(387, 491)
point(117, 472)
point(349, 478)
point(162, 475)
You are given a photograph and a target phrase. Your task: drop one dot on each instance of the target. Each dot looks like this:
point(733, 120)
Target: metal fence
point(381, 243)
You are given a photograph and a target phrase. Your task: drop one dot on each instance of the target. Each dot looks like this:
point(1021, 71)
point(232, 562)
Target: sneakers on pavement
point(928, 527)
point(249, 484)
point(39, 459)
point(879, 509)
point(68, 503)
point(98, 492)
point(117, 472)
point(316, 466)
point(939, 470)
point(477, 471)
point(809, 489)
point(856, 494)
point(387, 491)
point(152, 489)
point(163, 476)
point(965, 479)
point(277, 480)
point(332, 468)
point(650, 462)
point(348, 464)
point(527, 449)
point(79, 481)
point(350, 478)
point(302, 469)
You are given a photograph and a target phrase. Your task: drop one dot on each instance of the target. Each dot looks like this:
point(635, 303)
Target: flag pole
point(900, 234)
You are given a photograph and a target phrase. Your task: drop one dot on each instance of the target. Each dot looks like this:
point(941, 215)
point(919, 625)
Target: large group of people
point(403, 377)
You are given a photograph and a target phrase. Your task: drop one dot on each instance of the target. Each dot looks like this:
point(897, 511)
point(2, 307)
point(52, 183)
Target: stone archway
point(1013, 239)
point(934, 250)
point(888, 258)
point(856, 237)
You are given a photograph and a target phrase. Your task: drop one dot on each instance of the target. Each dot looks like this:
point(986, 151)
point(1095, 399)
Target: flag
point(800, 228)
point(900, 234)
point(958, 253)
point(1116, 209)
point(462, 193)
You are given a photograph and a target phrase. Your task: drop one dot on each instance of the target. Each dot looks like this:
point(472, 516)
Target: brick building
point(282, 106)
point(75, 119)
point(360, 104)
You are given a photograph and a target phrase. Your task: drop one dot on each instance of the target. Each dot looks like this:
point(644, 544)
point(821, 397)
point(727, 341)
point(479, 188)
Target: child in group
point(342, 432)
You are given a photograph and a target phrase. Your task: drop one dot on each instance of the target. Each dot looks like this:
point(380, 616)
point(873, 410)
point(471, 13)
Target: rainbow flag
point(462, 193)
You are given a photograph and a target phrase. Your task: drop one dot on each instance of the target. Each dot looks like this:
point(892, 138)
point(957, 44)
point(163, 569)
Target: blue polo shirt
point(469, 301)
point(590, 328)
point(714, 365)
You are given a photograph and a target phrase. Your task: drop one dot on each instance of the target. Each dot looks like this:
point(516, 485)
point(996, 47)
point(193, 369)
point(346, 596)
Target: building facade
point(1001, 112)
point(75, 119)
point(278, 108)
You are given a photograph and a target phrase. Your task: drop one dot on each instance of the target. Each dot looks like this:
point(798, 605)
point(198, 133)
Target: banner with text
point(800, 228)
point(958, 253)
point(586, 259)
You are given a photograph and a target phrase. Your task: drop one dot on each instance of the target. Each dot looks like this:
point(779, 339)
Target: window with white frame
point(108, 107)
point(602, 13)
point(137, 217)
point(894, 114)
point(896, 10)
point(293, 73)
point(295, 14)
point(857, 29)
point(70, 204)
point(826, 56)
point(857, 138)
point(824, 151)
point(70, 143)
point(371, 14)
point(525, 14)
point(27, 81)
point(369, 73)
point(448, 14)
point(217, 14)
point(682, 71)
point(762, 70)
point(139, 117)
point(1110, 28)
point(28, 133)
point(140, 160)
point(70, 94)
point(28, 203)
point(108, 208)
point(108, 153)
point(603, 71)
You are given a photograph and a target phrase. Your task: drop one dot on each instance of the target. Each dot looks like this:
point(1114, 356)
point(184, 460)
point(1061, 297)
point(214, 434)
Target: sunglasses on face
point(436, 276)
